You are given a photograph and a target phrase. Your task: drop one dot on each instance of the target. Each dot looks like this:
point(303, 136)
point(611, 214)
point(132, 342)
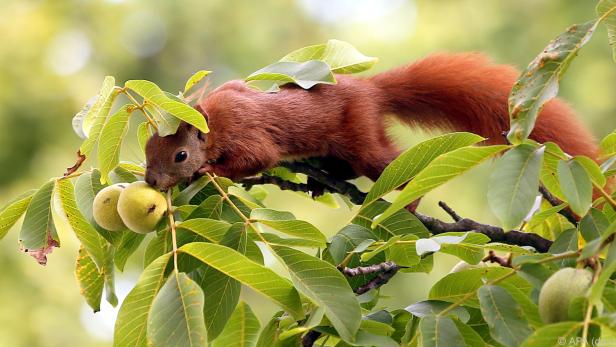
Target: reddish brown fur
point(252, 131)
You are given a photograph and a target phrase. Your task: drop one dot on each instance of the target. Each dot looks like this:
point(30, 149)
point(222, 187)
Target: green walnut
point(105, 207)
point(141, 207)
point(558, 292)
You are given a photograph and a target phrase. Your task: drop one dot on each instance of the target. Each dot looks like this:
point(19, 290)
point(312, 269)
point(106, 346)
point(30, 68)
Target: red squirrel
point(251, 131)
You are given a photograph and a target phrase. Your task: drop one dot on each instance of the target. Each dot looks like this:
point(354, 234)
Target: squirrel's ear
point(202, 111)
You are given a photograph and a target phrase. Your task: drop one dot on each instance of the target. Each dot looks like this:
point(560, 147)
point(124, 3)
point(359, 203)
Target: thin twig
point(172, 227)
point(365, 270)
point(493, 258)
point(554, 201)
point(449, 211)
point(496, 234)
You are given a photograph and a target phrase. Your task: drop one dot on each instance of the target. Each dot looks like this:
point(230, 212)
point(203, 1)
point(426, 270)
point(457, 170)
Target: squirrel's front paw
point(206, 168)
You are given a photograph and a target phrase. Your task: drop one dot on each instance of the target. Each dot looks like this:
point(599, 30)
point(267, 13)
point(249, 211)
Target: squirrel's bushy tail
point(467, 92)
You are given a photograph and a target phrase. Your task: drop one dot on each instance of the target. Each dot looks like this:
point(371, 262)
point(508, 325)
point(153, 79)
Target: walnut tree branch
point(436, 226)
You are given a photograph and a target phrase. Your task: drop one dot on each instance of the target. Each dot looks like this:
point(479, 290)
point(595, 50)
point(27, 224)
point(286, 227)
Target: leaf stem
point(140, 106)
point(471, 293)
point(247, 221)
point(605, 195)
point(591, 305)
point(172, 227)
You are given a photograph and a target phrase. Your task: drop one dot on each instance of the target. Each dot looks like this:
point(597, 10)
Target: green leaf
point(458, 285)
point(437, 172)
point(211, 207)
point(250, 273)
point(94, 244)
point(10, 213)
point(440, 331)
point(369, 255)
point(593, 224)
point(549, 171)
point(111, 140)
point(404, 253)
point(84, 121)
point(504, 316)
point(513, 184)
point(576, 186)
point(242, 329)
point(152, 94)
point(592, 169)
point(346, 240)
point(554, 335)
point(341, 57)
point(37, 227)
point(195, 79)
point(211, 229)
point(187, 194)
point(131, 324)
point(539, 82)
point(127, 246)
point(470, 248)
point(143, 135)
point(608, 145)
point(415, 159)
point(400, 223)
point(270, 332)
point(537, 220)
point(471, 337)
point(222, 292)
point(305, 75)
point(176, 316)
point(286, 223)
point(434, 307)
point(99, 121)
point(566, 241)
point(606, 9)
point(326, 286)
point(90, 280)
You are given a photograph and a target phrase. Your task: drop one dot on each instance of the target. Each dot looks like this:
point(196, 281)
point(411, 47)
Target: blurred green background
point(54, 55)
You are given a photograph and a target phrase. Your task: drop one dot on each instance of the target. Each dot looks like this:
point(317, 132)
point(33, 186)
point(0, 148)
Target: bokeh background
point(54, 55)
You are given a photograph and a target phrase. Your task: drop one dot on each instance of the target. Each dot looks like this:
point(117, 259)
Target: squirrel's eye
point(181, 156)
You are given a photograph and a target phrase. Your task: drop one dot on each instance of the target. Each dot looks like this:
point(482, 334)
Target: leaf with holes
point(90, 280)
point(176, 316)
point(606, 10)
point(539, 81)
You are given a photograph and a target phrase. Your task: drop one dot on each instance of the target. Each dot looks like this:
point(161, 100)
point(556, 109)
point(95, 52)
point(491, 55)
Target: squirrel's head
point(174, 158)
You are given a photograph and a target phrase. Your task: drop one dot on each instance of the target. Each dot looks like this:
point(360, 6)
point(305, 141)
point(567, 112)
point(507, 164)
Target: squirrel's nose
point(150, 180)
